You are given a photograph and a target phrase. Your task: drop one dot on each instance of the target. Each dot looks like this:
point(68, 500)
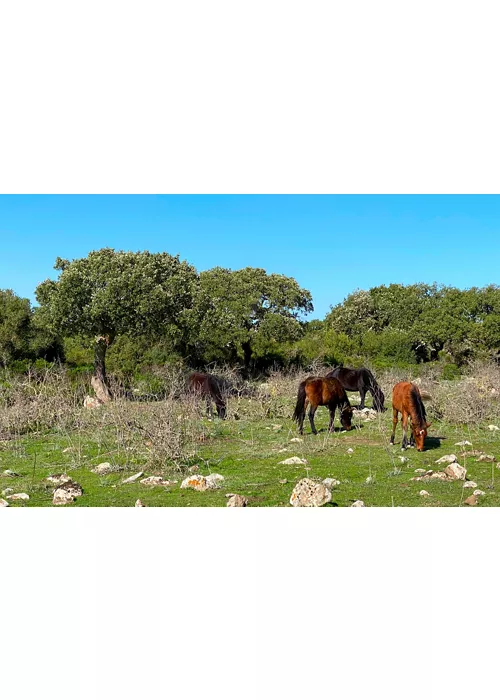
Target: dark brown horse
point(208, 386)
point(406, 399)
point(318, 391)
point(361, 380)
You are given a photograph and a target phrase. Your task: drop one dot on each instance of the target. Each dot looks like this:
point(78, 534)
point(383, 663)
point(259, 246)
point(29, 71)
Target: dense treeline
point(130, 311)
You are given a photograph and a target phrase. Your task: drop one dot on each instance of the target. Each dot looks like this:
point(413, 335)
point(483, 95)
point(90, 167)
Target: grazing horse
point(361, 380)
point(319, 391)
point(406, 399)
point(208, 386)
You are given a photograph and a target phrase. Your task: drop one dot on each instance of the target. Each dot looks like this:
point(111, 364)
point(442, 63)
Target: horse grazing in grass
point(208, 386)
point(361, 380)
point(406, 399)
point(320, 391)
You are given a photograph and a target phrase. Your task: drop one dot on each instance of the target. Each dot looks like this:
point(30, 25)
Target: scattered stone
point(331, 483)
point(455, 471)
point(9, 472)
point(478, 492)
point(440, 476)
point(18, 497)
point(6, 492)
point(364, 414)
point(3, 503)
point(358, 504)
point(67, 493)
point(350, 451)
point(198, 482)
point(446, 459)
point(463, 443)
point(91, 402)
point(485, 458)
point(493, 427)
point(420, 471)
point(471, 453)
point(276, 427)
point(283, 481)
point(296, 440)
point(294, 460)
point(236, 501)
point(308, 493)
point(68, 449)
point(369, 480)
point(58, 479)
point(194, 468)
point(106, 468)
point(139, 504)
point(470, 485)
point(282, 450)
point(155, 481)
point(423, 493)
point(133, 478)
point(403, 460)
point(471, 501)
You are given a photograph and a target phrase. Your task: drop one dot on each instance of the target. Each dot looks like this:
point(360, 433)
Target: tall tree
point(15, 322)
point(111, 293)
point(236, 308)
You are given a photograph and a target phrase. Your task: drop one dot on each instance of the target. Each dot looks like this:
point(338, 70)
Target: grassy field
point(248, 452)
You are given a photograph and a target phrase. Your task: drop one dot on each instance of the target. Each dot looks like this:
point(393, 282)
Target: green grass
point(247, 453)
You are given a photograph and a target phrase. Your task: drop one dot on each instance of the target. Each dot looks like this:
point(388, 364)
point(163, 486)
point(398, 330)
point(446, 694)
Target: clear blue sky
point(330, 244)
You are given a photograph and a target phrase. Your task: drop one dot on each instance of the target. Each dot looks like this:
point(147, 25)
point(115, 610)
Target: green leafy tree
point(237, 310)
point(113, 293)
point(15, 326)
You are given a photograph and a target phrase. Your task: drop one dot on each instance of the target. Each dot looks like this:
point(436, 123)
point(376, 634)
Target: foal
point(208, 386)
point(406, 399)
point(319, 391)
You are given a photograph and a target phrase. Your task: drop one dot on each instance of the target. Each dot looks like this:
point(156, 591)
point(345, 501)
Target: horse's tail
point(378, 394)
point(301, 402)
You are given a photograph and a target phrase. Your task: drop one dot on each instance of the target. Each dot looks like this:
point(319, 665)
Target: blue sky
point(330, 244)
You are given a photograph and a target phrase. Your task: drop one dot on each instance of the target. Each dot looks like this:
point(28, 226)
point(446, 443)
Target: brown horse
point(318, 391)
point(208, 386)
point(406, 399)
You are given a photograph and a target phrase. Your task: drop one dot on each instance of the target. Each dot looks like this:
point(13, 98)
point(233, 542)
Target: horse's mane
point(418, 405)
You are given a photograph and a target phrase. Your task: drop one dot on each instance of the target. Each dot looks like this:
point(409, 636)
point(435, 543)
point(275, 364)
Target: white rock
point(68, 449)
point(3, 504)
point(308, 493)
point(294, 460)
point(350, 451)
point(485, 458)
point(18, 497)
point(463, 443)
point(67, 493)
point(237, 501)
point(155, 481)
point(91, 402)
point(403, 460)
point(106, 468)
point(455, 471)
point(493, 427)
point(423, 493)
point(6, 492)
point(58, 479)
point(358, 504)
point(133, 478)
point(285, 449)
point(331, 483)
point(296, 440)
point(213, 480)
point(369, 480)
point(139, 504)
point(478, 492)
point(470, 485)
point(420, 471)
point(446, 459)
point(9, 472)
point(198, 482)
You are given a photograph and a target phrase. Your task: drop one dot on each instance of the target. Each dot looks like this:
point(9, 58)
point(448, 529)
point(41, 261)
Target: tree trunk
point(247, 357)
point(99, 381)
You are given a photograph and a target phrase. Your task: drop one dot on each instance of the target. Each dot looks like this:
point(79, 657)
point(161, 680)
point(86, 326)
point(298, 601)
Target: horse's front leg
point(312, 411)
point(404, 423)
point(394, 424)
point(209, 406)
point(362, 394)
point(332, 418)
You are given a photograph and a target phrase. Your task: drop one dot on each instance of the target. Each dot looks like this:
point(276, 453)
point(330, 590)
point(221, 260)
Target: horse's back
point(401, 394)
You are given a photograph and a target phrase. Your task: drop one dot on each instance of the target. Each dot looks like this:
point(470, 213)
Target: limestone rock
point(18, 497)
point(133, 478)
point(493, 427)
point(9, 472)
point(478, 492)
point(424, 493)
point(463, 443)
point(446, 459)
point(470, 485)
point(198, 482)
point(485, 458)
point(294, 460)
point(155, 481)
point(6, 492)
point(455, 471)
point(92, 402)
point(139, 504)
point(58, 479)
point(67, 493)
point(471, 501)
point(308, 493)
point(331, 483)
point(106, 468)
point(236, 501)
point(3, 503)
point(358, 504)
point(296, 439)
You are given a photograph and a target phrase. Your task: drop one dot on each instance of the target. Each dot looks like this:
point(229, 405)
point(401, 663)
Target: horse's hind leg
point(362, 394)
point(312, 411)
point(394, 424)
point(208, 400)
